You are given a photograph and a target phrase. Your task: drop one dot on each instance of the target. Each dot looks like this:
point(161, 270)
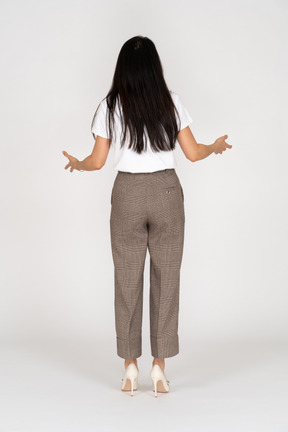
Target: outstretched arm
point(194, 151)
point(93, 162)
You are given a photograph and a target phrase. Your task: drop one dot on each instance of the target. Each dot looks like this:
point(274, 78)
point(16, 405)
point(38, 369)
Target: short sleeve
point(99, 124)
point(185, 118)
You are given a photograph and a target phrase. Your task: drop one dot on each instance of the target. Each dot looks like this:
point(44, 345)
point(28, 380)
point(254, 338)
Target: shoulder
point(103, 103)
point(178, 102)
point(102, 107)
point(174, 95)
point(176, 99)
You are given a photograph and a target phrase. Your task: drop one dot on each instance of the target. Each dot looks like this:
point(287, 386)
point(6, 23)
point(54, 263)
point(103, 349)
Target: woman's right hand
point(221, 145)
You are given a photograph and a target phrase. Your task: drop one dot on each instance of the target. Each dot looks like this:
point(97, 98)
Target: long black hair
point(140, 89)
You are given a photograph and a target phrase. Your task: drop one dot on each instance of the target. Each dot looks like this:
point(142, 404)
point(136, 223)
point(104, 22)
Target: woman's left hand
point(72, 161)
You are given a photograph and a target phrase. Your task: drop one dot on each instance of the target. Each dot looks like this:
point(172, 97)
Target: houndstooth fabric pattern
point(147, 212)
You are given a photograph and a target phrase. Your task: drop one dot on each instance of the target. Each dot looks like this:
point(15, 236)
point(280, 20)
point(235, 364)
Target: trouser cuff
point(164, 347)
point(129, 348)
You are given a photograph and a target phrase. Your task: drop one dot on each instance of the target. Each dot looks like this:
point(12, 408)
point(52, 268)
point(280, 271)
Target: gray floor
point(214, 386)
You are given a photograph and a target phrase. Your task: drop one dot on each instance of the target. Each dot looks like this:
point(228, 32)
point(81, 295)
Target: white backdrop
point(228, 62)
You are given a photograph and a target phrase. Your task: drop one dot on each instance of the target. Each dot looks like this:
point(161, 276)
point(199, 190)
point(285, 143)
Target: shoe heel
point(131, 374)
point(159, 377)
point(133, 380)
point(155, 386)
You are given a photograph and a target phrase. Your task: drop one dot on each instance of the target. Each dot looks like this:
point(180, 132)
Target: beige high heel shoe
point(130, 379)
point(159, 379)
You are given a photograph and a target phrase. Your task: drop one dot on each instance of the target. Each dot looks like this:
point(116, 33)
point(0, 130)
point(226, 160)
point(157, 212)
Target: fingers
point(69, 165)
point(67, 155)
point(70, 158)
point(227, 145)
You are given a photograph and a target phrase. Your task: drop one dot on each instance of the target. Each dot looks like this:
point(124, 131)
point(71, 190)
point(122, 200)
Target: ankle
point(128, 361)
point(160, 362)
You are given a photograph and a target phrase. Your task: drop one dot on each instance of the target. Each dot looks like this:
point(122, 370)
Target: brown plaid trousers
point(147, 210)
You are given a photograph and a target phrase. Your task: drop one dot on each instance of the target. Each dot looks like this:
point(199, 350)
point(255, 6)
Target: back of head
point(146, 104)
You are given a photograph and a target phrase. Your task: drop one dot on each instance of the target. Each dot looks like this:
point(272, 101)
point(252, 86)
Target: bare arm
point(194, 151)
point(93, 162)
point(98, 157)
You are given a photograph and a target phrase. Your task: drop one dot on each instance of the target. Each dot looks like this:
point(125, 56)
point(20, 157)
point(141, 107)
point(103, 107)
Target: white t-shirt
point(126, 159)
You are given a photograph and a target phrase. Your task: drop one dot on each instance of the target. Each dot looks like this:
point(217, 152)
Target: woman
point(143, 119)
